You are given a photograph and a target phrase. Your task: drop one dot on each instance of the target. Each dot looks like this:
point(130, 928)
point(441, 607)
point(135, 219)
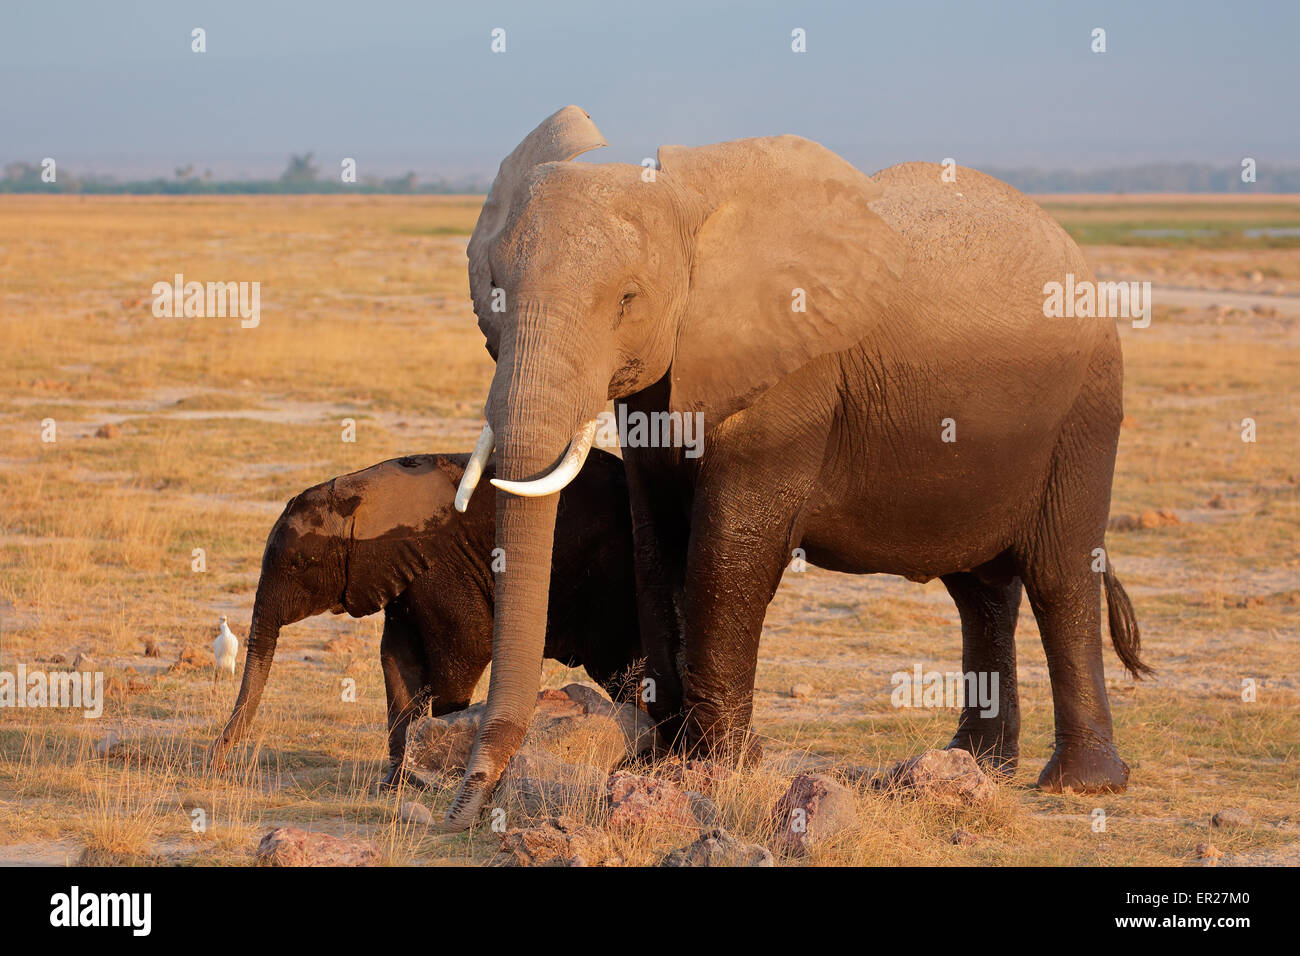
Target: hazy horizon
point(115, 90)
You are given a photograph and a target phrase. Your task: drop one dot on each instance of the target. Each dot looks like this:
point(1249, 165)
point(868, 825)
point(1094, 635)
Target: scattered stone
point(854, 773)
point(1208, 854)
point(1231, 817)
point(814, 808)
point(702, 776)
point(577, 724)
point(417, 813)
point(437, 744)
point(291, 846)
point(191, 658)
point(108, 431)
point(344, 645)
point(964, 838)
point(639, 803)
point(110, 745)
point(543, 785)
point(717, 847)
point(56, 658)
point(801, 691)
point(558, 841)
point(151, 648)
point(950, 777)
point(1145, 520)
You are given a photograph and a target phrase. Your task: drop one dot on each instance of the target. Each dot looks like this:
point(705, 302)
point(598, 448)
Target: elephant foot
point(397, 777)
point(1084, 768)
point(737, 749)
point(994, 754)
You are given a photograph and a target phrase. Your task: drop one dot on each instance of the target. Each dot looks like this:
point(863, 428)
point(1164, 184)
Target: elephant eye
point(627, 297)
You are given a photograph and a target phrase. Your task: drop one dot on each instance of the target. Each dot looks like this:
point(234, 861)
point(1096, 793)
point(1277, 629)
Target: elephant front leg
point(405, 684)
point(738, 552)
point(660, 532)
point(989, 729)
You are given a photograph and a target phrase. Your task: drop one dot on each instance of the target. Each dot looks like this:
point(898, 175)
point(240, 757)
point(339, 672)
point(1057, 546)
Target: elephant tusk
point(474, 468)
point(561, 474)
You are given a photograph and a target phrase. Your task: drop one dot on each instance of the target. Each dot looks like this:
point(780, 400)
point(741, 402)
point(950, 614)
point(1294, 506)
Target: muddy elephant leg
point(741, 540)
point(1065, 593)
point(988, 647)
point(406, 679)
point(660, 532)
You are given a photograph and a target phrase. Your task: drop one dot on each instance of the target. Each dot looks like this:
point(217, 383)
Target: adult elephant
point(834, 330)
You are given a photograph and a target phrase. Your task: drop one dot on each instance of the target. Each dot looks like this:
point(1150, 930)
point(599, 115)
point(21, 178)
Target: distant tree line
point(300, 176)
point(1153, 178)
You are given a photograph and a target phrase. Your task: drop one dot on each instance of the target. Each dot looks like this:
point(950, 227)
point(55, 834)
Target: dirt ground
point(177, 434)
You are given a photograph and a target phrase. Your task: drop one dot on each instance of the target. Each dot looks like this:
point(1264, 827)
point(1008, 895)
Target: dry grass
point(365, 316)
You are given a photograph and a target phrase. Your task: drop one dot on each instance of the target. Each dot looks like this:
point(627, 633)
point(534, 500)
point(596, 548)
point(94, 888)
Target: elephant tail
point(1124, 633)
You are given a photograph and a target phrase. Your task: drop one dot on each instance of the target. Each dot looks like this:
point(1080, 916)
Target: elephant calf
point(388, 537)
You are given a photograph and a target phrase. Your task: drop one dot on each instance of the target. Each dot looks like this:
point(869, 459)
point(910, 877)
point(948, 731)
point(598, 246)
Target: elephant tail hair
point(1124, 633)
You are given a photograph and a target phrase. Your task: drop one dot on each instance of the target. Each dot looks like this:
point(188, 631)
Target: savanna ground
point(365, 316)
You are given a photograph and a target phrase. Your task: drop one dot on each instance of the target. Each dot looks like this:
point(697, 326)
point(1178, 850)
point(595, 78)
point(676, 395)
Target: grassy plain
point(365, 316)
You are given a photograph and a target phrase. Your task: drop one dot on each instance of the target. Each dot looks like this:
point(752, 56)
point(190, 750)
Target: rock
point(108, 431)
point(639, 803)
point(436, 744)
point(717, 847)
point(110, 745)
point(964, 838)
point(702, 776)
point(290, 846)
point(1145, 520)
point(580, 725)
point(1208, 854)
point(950, 777)
point(558, 841)
point(84, 662)
point(801, 691)
point(541, 784)
point(856, 774)
point(1231, 817)
point(417, 813)
point(814, 808)
point(191, 658)
point(577, 724)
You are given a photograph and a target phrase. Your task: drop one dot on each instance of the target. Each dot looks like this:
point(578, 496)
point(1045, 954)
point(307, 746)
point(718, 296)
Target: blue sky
point(113, 87)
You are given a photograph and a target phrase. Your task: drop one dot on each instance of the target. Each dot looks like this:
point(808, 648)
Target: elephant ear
point(396, 508)
point(785, 224)
point(560, 137)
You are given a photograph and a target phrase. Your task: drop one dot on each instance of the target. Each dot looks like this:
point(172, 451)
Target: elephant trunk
point(262, 637)
point(539, 401)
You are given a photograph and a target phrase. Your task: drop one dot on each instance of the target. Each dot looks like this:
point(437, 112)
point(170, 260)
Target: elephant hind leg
point(990, 730)
point(1058, 564)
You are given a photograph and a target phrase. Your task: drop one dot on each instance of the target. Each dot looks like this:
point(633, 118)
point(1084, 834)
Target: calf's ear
point(396, 510)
